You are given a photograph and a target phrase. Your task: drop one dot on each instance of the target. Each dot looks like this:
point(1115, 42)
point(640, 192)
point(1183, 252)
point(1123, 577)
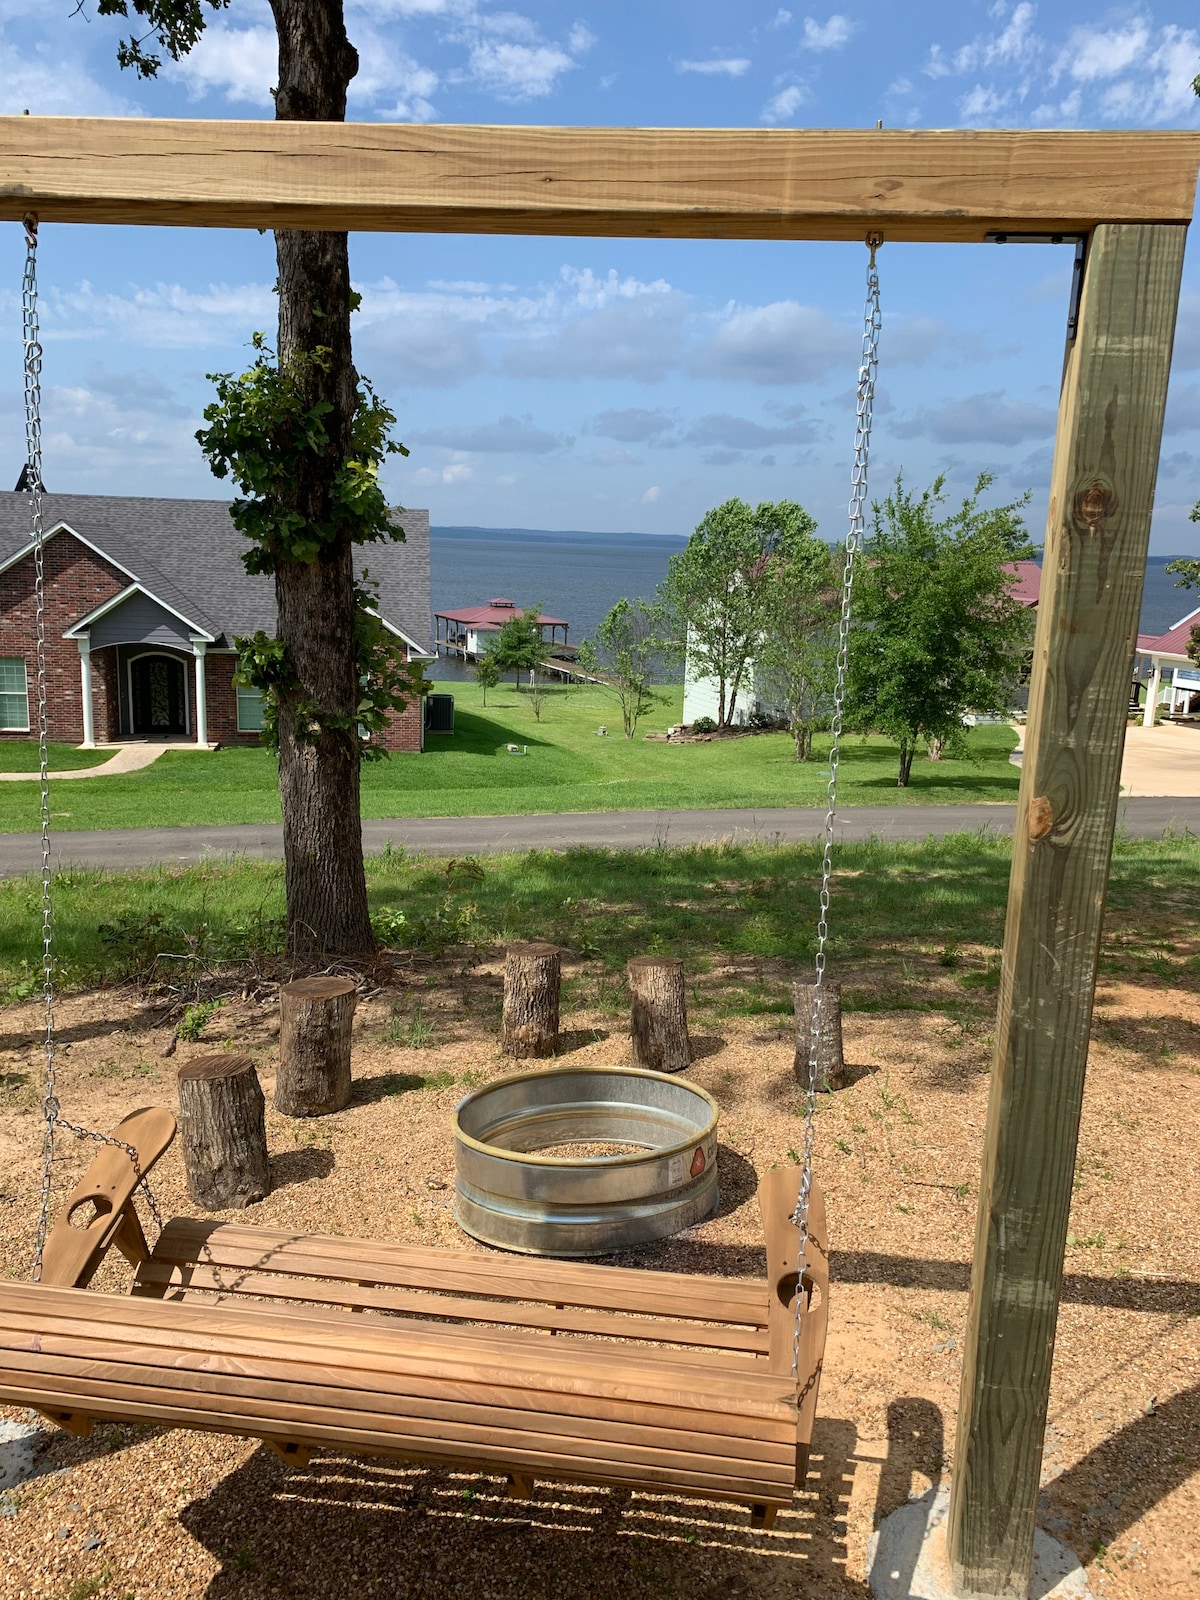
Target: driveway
point(127, 849)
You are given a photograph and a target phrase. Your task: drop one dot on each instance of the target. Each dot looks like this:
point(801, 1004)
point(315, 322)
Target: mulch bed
point(139, 1512)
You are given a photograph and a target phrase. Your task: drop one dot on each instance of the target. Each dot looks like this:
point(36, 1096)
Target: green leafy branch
point(263, 431)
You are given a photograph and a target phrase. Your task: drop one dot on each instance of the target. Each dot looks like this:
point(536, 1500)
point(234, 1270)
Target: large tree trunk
point(319, 781)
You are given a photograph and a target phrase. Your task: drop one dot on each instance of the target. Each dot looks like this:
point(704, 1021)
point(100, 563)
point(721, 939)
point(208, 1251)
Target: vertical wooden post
point(1102, 490)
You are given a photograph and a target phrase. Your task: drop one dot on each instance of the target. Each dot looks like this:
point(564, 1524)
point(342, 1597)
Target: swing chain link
point(872, 323)
point(51, 1110)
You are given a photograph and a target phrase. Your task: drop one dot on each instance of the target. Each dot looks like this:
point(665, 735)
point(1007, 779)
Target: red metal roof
point(1029, 582)
point(1172, 643)
point(495, 614)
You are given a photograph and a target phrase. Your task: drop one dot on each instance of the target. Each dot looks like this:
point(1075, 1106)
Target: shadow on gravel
point(346, 1529)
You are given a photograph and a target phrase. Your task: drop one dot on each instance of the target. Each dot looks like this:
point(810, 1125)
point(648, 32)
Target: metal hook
point(874, 242)
point(30, 223)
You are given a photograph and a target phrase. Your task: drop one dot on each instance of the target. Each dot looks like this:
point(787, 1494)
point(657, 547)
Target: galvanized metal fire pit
point(582, 1161)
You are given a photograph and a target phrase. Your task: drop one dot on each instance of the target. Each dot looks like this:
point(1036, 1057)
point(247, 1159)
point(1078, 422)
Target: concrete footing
point(907, 1560)
point(19, 1445)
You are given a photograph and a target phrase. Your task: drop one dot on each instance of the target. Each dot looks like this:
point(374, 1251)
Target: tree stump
point(532, 979)
point(658, 1027)
point(223, 1132)
point(315, 1019)
point(831, 1064)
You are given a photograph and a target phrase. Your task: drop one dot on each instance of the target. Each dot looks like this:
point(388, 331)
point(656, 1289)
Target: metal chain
point(51, 1111)
point(872, 322)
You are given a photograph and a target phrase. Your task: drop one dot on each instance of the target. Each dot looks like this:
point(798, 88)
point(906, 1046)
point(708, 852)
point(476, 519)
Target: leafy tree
point(1188, 569)
point(631, 646)
point(938, 631)
point(797, 655)
point(303, 437)
point(487, 673)
point(718, 585)
point(519, 645)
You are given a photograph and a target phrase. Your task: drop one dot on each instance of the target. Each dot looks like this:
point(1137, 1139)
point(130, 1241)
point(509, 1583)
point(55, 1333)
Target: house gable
point(136, 618)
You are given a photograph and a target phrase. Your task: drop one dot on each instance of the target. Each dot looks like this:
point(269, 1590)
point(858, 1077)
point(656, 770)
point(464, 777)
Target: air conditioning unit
point(439, 713)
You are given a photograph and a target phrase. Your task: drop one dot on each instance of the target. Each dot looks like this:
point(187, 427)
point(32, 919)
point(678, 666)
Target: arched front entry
point(158, 696)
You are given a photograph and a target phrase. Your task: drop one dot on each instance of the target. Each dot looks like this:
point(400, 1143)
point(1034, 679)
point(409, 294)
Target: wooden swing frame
point(1127, 200)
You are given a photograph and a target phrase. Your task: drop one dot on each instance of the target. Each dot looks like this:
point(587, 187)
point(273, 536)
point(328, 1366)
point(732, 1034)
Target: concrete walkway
point(130, 848)
point(128, 758)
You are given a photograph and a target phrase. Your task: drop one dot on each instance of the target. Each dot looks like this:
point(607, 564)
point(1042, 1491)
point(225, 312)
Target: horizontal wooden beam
point(687, 183)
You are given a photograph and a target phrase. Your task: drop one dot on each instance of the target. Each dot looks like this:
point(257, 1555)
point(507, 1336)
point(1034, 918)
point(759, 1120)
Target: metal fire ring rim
point(525, 1157)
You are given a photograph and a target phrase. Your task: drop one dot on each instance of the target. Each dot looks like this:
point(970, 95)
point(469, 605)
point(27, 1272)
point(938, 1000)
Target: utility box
point(439, 713)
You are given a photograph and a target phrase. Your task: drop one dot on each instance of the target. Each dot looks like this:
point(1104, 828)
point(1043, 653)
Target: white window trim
point(16, 726)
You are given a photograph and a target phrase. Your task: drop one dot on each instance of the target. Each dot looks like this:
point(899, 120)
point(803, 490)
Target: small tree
point(717, 587)
point(798, 653)
point(631, 646)
point(519, 645)
point(487, 673)
point(939, 632)
point(1187, 570)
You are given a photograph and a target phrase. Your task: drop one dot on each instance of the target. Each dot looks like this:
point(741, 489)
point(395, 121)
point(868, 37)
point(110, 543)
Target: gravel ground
point(134, 1512)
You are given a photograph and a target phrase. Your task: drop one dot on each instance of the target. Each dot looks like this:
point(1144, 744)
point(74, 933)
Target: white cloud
point(580, 39)
point(831, 35)
point(456, 472)
point(720, 66)
point(651, 495)
point(779, 343)
point(639, 339)
point(52, 82)
point(633, 425)
point(1183, 408)
point(1116, 72)
point(240, 63)
point(784, 106)
point(518, 71)
point(780, 19)
point(988, 418)
point(166, 315)
point(509, 436)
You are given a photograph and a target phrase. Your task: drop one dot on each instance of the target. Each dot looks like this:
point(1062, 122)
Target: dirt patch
point(162, 1516)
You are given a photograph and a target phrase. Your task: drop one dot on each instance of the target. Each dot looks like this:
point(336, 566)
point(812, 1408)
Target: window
point(14, 694)
point(249, 710)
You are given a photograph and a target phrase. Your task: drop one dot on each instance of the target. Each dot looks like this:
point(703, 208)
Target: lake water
point(580, 576)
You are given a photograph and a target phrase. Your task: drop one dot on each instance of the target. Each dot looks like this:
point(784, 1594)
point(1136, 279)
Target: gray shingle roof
point(188, 554)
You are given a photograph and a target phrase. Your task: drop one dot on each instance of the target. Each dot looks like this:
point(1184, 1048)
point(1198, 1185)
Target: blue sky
point(609, 384)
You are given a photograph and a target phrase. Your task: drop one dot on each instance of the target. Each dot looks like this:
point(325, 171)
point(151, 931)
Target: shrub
point(704, 725)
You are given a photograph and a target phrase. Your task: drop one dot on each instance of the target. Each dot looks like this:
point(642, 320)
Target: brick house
point(144, 599)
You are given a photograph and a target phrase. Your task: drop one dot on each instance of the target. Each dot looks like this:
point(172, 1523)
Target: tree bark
point(316, 1016)
point(319, 781)
point(532, 979)
point(906, 760)
point(222, 1126)
point(831, 1064)
point(658, 1027)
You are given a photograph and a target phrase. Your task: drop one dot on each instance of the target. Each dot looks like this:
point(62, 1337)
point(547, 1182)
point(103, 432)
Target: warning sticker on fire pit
point(698, 1161)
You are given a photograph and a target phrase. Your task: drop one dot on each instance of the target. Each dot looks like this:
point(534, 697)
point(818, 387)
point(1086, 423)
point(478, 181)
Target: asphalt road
point(126, 848)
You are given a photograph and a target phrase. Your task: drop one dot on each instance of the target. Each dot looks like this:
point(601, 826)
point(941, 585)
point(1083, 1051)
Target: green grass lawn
point(22, 755)
point(745, 912)
point(567, 768)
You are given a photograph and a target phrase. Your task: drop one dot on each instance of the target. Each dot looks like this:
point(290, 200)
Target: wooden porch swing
point(673, 1384)
point(541, 1369)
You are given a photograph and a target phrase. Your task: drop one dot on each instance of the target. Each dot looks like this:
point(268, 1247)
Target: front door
point(159, 703)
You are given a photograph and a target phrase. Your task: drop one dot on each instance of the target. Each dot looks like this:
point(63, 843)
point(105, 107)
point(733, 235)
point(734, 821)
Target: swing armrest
point(777, 1193)
point(100, 1211)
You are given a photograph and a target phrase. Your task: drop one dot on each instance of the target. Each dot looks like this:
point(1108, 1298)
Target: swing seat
point(558, 1371)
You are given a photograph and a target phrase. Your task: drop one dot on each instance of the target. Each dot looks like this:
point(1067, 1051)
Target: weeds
point(196, 1018)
